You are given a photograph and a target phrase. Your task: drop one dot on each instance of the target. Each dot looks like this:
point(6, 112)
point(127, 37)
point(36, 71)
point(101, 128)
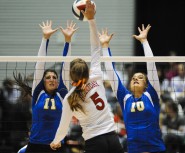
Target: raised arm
point(151, 67)
point(39, 68)
point(119, 90)
point(68, 33)
point(89, 13)
point(104, 40)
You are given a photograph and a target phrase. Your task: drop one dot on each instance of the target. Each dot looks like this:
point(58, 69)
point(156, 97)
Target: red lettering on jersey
point(88, 87)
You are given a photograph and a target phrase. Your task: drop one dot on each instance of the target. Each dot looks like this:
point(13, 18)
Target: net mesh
point(15, 110)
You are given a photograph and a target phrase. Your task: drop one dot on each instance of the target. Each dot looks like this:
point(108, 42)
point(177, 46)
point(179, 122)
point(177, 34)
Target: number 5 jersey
point(97, 118)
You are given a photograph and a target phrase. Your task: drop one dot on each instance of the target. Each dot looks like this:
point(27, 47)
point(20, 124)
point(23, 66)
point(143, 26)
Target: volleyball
point(77, 6)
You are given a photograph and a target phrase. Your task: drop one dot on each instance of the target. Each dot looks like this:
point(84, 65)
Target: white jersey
point(97, 118)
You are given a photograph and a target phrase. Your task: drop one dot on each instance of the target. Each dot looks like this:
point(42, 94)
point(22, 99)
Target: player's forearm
point(64, 122)
point(111, 71)
point(39, 67)
point(151, 68)
point(66, 66)
point(95, 48)
point(94, 39)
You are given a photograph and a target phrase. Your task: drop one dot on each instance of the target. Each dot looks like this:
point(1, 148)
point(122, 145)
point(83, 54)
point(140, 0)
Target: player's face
point(50, 82)
point(138, 82)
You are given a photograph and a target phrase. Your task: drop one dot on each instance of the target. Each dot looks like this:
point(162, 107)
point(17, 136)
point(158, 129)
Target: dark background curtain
point(167, 18)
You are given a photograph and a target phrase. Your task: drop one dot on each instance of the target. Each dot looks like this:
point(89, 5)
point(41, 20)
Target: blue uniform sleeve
point(150, 89)
point(62, 89)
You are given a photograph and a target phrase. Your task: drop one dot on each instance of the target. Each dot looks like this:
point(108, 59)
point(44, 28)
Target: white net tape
point(88, 58)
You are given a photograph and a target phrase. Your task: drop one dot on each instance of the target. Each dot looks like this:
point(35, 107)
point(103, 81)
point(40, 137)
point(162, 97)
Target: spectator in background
point(178, 83)
point(173, 129)
point(74, 139)
point(120, 126)
point(170, 71)
point(172, 68)
point(166, 97)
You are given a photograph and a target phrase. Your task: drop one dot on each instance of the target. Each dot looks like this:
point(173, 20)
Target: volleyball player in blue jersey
point(140, 106)
point(47, 94)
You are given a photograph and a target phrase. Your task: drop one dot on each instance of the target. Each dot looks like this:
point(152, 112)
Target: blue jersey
point(46, 109)
point(141, 115)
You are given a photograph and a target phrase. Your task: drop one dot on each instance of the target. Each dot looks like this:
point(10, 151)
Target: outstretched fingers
point(139, 29)
point(40, 25)
point(47, 29)
point(43, 24)
point(148, 27)
point(143, 27)
point(143, 32)
point(71, 24)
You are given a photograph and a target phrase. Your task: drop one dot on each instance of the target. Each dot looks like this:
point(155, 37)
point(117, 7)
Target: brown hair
point(78, 71)
point(22, 82)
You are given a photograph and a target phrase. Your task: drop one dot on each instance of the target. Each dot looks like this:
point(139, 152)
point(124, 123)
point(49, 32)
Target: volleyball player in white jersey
point(87, 101)
point(140, 106)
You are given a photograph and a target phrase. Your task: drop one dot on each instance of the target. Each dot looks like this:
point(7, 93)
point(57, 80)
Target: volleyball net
point(167, 68)
point(170, 69)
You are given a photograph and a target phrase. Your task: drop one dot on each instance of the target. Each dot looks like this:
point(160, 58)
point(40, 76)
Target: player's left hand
point(105, 37)
point(69, 30)
point(142, 33)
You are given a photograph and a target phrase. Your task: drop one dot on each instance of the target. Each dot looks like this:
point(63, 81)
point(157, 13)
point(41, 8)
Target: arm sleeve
point(151, 68)
point(64, 121)
point(64, 72)
point(39, 67)
point(118, 88)
point(95, 49)
point(66, 66)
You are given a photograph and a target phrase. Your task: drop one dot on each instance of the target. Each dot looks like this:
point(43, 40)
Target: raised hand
point(69, 30)
point(105, 37)
point(47, 29)
point(142, 33)
point(89, 12)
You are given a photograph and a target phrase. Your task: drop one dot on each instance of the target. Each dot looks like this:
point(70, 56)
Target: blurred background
point(20, 35)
